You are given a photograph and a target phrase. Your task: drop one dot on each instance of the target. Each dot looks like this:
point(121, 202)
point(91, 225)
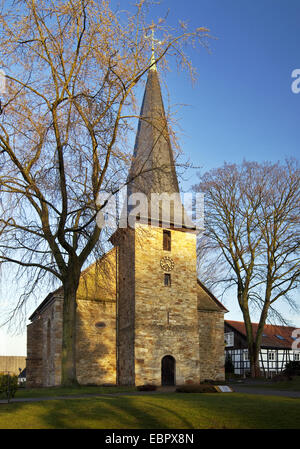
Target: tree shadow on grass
point(235, 410)
point(160, 410)
point(119, 412)
point(91, 413)
point(154, 412)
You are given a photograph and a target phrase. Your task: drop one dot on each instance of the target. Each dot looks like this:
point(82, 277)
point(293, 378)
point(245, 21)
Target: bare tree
point(209, 266)
point(71, 72)
point(252, 219)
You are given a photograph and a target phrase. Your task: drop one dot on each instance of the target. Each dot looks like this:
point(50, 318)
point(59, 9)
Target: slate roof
point(59, 292)
point(273, 336)
point(208, 301)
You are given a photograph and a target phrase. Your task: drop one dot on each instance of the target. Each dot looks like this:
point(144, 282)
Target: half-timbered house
point(276, 350)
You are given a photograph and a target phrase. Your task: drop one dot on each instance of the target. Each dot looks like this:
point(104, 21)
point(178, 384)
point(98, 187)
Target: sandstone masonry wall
point(44, 347)
point(211, 332)
point(126, 306)
point(96, 342)
point(166, 321)
point(34, 361)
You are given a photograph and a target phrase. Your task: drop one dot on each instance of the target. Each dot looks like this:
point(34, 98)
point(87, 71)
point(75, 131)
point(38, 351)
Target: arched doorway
point(168, 370)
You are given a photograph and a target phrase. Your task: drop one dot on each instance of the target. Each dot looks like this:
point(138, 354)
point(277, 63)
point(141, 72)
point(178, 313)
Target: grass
point(63, 391)
point(159, 411)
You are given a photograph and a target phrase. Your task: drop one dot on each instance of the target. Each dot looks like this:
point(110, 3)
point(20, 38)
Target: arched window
point(48, 339)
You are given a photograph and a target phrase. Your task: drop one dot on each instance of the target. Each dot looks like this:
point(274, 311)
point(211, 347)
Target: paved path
point(237, 389)
point(266, 391)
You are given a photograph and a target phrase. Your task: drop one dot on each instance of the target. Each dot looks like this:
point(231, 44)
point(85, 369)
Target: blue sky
point(242, 106)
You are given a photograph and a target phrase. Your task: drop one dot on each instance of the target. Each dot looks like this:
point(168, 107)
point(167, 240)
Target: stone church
point(143, 315)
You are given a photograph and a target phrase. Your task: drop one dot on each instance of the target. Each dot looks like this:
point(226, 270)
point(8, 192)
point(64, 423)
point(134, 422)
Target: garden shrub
point(292, 368)
point(281, 378)
point(196, 388)
point(8, 385)
point(147, 387)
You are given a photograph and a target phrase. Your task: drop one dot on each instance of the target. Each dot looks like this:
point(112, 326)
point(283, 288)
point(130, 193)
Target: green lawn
point(159, 411)
point(63, 391)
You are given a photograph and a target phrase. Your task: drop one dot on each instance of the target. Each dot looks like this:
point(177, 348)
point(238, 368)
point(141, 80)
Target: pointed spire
point(153, 64)
point(153, 167)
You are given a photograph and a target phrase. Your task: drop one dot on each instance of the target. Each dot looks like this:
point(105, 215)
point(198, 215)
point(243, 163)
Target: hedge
point(8, 385)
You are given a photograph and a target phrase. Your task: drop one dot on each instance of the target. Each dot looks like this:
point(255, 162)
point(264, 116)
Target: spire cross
point(153, 40)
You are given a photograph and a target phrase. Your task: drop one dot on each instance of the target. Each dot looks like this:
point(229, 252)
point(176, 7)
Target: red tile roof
point(270, 332)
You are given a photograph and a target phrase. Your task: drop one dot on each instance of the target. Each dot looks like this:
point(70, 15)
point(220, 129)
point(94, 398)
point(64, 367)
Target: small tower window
point(100, 324)
point(167, 240)
point(167, 280)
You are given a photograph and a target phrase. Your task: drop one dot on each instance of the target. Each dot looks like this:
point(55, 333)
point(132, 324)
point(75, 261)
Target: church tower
point(157, 317)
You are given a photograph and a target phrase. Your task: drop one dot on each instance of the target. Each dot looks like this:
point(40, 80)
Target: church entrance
point(168, 370)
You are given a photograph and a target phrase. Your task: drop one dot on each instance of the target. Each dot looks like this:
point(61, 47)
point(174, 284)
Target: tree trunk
point(254, 361)
point(253, 347)
point(68, 363)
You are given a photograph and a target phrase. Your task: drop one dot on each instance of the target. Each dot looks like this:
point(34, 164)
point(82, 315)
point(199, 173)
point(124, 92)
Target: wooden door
point(168, 370)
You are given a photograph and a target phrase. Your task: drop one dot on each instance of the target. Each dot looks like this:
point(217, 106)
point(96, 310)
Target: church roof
point(95, 284)
point(153, 168)
point(48, 300)
point(207, 301)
